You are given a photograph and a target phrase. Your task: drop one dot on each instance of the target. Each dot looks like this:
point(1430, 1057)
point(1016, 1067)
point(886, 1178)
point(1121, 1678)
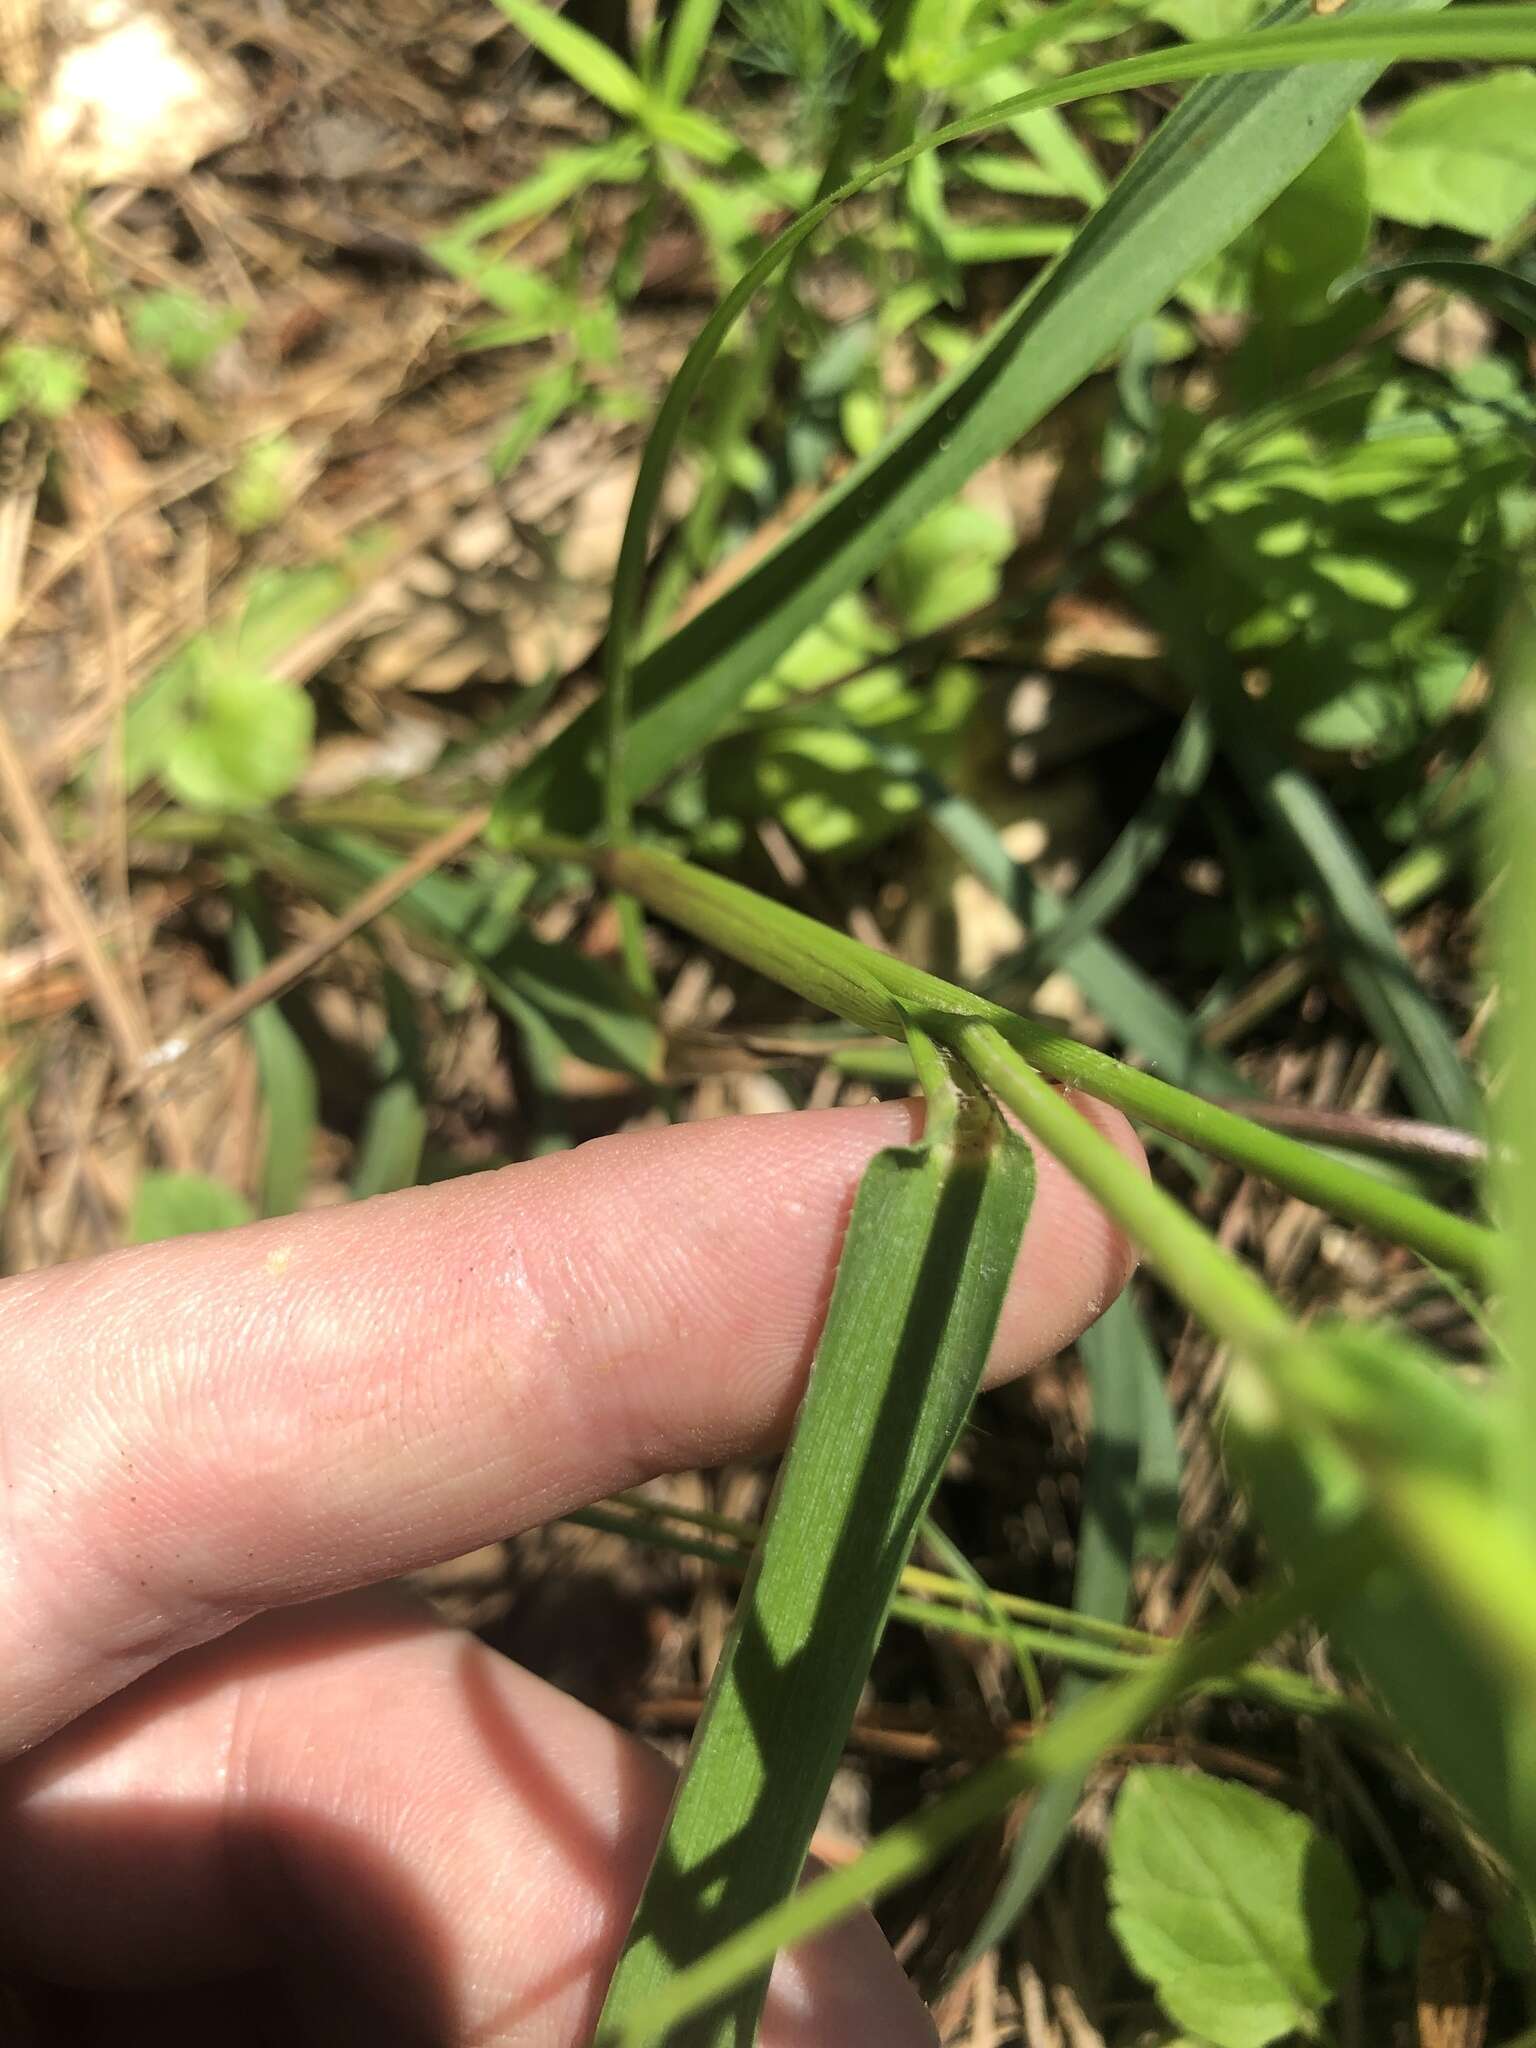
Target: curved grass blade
point(930, 1249)
point(1235, 143)
point(1510, 294)
point(945, 1551)
point(879, 992)
point(1365, 939)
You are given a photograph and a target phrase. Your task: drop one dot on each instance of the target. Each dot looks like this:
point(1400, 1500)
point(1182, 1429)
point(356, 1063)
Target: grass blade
point(1510, 294)
point(395, 1128)
point(1236, 141)
point(587, 62)
point(929, 1252)
point(1346, 1433)
point(1136, 851)
point(1370, 958)
point(1132, 1005)
point(1114, 1352)
point(1517, 1096)
point(289, 1092)
point(1516, 1181)
point(687, 40)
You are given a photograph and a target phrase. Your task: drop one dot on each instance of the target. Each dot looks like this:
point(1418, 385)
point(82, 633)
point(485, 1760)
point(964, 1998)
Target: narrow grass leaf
point(583, 1002)
point(1138, 847)
point(290, 1094)
point(1441, 1696)
point(1515, 847)
point(394, 1131)
point(687, 39)
point(1516, 1184)
point(1350, 1433)
point(1140, 1014)
point(1267, 106)
point(584, 60)
point(963, 1573)
point(929, 1252)
point(1112, 1352)
point(1370, 957)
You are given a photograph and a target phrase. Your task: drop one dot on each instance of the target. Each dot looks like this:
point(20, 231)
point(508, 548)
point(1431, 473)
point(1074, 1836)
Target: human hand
point(242, 1801)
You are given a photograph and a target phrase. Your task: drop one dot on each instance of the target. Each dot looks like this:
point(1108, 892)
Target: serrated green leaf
point(183, 1205)
point(1461, 155)
point(1243, 1917)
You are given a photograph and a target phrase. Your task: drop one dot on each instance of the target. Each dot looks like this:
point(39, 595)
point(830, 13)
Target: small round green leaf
point(1244, 1918)
point(246, 743)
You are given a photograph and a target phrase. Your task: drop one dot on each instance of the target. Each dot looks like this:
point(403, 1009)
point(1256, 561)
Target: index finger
point(193, 1431)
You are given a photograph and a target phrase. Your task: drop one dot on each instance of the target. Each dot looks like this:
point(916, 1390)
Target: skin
point(230, 1754)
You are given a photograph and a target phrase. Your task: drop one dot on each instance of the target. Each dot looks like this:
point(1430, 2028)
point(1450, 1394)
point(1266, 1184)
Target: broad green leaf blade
point(289, 1093)
point(182, 1205)
point(1370, 957)
point(1232, 146)
point(1461, 155)
point(930, 1249)
point(1244, 1918)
